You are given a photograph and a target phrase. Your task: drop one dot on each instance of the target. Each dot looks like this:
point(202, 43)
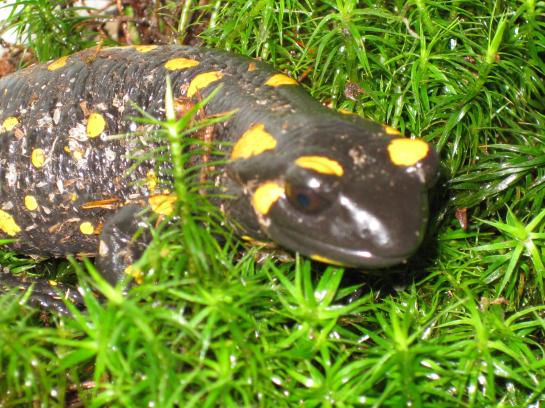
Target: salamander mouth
point(350, 257)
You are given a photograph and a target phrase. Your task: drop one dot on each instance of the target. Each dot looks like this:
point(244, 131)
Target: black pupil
point(303, 200)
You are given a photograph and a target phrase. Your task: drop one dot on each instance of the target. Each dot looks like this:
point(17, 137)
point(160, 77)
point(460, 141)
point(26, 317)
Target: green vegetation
point(461, 325)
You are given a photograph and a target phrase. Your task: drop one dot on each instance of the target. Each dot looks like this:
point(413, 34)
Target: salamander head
point(347, 199)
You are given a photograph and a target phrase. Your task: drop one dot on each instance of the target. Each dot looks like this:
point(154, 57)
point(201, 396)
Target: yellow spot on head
point(391, 131)
point(95, 124)
point(280, 79)
point(251, 67)
point(201, 81)
point(59, 63)
point(323, 259)
point(180, 63)
point(254, 141)
point(266, 195)
point(162, 204)
point(9, 123)
point(73, 197)
point(31, 203)
point(8, 224)
point(38, 158)
point(320, 164)
point(151, 180)
point(86, 228)
point(407, 152)
point(144, 48)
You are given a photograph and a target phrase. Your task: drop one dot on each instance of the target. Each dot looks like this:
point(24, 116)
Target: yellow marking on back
point(8, 224)
point(407, 152)
point(38, 158)
point(86, 228)
point(162, 204)
point(324, 259)
point(180, 63)
point(266, 195)
point(144, 48)
point(31, 203)
point(390, 130)
point(59, 63)
point(95, 124)
point(201, 81)
point(345, 111)
point(280, 79)
point(320, 164)
point(254, 141)
point(9, 123)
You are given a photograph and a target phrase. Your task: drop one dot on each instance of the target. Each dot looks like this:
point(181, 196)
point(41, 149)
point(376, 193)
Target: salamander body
point(332, 186)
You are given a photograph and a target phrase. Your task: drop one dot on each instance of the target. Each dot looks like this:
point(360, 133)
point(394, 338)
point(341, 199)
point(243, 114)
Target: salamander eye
point(305, 199)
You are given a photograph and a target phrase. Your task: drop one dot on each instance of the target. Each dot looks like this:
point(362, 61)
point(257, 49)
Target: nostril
point(365, 232)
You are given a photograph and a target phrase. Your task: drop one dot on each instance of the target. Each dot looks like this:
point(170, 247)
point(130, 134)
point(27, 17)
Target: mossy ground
point(461, 325)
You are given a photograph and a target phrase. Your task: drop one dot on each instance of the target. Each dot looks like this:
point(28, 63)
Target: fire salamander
point(332, 186)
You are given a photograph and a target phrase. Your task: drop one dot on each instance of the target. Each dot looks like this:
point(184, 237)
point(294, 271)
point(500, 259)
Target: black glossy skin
point(373, 215)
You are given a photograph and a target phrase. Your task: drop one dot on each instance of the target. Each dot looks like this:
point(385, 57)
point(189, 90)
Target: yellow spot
point(266, 195)
point(391, 131)
point(254, 141)
point(8, 224)
point(151, 180)
point(201, 81)
point(144, 48)
point(280, 79)
point(345, 111)
point(180, 63)
point(320, 164)
point(73, 197)
point(9, 123)
point(136, 273)
point(251, 67)
point(31, 203)
point(323, 259)
point(53, 282)
point(38, 158)
point(162, 204)
point(95, 124)
point(86, 228)
point(407, 152)
point(59, 63)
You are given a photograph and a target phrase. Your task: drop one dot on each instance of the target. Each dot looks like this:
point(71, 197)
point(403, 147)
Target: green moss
point(460, 325)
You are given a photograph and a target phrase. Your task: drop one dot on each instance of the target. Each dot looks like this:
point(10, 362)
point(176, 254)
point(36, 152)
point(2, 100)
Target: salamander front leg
point(122, 242)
